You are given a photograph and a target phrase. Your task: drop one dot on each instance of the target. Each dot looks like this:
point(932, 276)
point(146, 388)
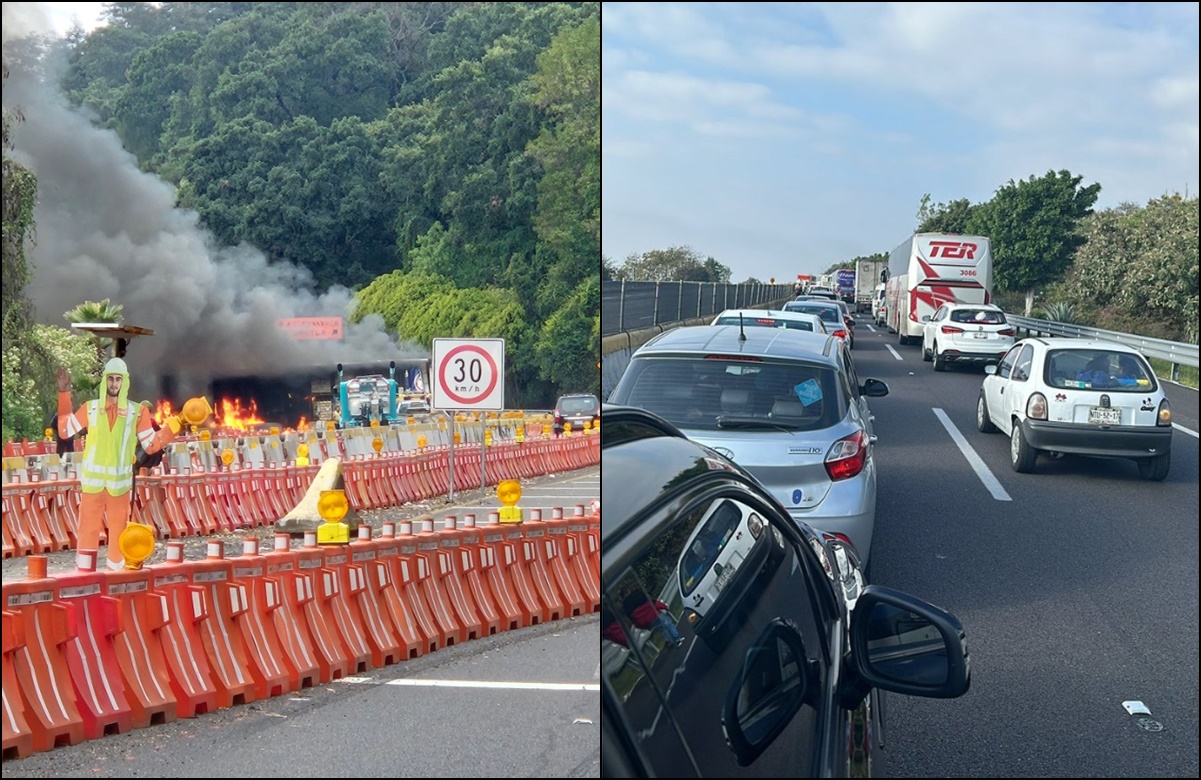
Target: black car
point(737, 642)
point(577, 409)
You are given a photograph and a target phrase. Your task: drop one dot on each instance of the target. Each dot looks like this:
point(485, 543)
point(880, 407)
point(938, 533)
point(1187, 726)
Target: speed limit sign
point(469, 374)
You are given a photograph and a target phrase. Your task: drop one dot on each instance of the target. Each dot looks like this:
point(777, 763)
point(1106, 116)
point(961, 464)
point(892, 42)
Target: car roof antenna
point(741, 328)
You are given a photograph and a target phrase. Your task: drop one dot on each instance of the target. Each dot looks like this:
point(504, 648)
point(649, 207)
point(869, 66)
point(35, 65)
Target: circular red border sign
point(446, 361)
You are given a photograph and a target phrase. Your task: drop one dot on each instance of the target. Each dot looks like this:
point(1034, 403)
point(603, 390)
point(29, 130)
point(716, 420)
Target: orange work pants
point(103, 510)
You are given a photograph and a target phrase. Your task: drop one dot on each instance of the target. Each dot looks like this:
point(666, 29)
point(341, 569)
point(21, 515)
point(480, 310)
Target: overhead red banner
point(312, 327)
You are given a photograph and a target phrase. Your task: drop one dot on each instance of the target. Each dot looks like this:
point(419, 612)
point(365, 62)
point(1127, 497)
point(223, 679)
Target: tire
point(902, 339)
point(1021, 455)
point(984, 423)
point(1155, 469)
point(939, 363)
point(925, 354)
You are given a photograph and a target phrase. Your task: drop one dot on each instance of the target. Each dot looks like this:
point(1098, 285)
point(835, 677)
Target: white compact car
point(1079, 397)
point(759, 318)
point(972, 333)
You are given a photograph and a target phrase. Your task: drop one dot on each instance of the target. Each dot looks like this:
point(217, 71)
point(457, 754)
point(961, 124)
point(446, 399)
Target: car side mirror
point(990, 368)
point(926, 318)
point(874, 388)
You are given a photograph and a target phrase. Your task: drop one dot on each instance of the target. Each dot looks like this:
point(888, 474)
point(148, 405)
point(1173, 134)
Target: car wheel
point(939, 363)
point(1021, 455)
point(984, 423)
point(1155, 469)
point(925, 353)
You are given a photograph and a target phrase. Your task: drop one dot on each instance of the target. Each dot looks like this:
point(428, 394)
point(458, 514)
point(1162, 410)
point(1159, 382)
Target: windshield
point(827, 313)
point(711, 393)
point(765, 322)
point(707, 544)
point(582, 405)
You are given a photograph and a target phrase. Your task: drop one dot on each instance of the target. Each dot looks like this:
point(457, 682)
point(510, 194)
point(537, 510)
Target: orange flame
point(228, 413)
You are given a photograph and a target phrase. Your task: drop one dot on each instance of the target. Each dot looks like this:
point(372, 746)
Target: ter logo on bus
point(953, 250)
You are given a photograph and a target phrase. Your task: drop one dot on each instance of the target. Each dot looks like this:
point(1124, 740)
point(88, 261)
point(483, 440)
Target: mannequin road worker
point(114, 426)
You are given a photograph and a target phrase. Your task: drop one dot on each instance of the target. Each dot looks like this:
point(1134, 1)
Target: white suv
point(973, 333)
point(1080, 397)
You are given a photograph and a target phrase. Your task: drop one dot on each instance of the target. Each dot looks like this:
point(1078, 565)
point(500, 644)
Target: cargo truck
point(869, 274)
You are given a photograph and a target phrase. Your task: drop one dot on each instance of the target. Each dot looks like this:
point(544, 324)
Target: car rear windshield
point(583, 405)
point(723, 392)
point(1098, 368)
point(827, 313)
point(978, 316)
point(766, 322)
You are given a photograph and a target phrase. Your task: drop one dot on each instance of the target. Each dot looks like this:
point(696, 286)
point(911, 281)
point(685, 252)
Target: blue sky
point(780, 138)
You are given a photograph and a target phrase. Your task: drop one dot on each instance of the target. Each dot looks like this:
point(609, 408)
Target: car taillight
point(1036, 406)
point(948, 329)
point(755, 524)
point(1007, 332)
point(840, 333)
point(847, 456)
point(1164, 417)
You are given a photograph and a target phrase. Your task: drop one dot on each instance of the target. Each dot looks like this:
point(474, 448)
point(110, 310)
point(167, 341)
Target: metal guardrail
point(1175, 352)
point(627, 306)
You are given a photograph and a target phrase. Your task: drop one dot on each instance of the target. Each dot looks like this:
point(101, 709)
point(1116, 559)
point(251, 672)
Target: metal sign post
point(451, 493)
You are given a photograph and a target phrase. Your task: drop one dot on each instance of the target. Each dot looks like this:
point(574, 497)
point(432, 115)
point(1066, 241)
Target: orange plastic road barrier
point(260, 494)
point(462, 560)
point(147, 504)
point(406, 566)
point(192, 679)
point(17, 540)
point(555, 555)
point(40, 663)
point(350, 480)
point(290, 625)
point(220, 632)
point(197, 482)
point(138, 646)
point(244, 496)
point(214, 498)
point(494, 576)
point(375, 481)
point(425, 586)
point(336, 582)
point(408, 632)
point(513, 560)
point(18, 737)
point(369, 603)
point(403, 474)
point(310, 595)
point(468, 564)
point(440, 585)
point(175, 488)
point(42, 503)
point(42, 541)
point(268, 664)
point(229, 483)
point(579, 558)
point(91, 655)
point(278, 490)
point(533, 558)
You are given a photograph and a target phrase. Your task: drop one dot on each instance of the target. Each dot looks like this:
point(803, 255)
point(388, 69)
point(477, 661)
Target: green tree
point(675, 264)
point(96, 311)
point(950, 217)
point(1034, 228)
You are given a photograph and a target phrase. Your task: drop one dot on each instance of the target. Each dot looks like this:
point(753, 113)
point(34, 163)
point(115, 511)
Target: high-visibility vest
point(109, 454)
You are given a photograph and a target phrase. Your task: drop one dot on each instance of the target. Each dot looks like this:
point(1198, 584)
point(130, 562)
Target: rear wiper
point(749, 423)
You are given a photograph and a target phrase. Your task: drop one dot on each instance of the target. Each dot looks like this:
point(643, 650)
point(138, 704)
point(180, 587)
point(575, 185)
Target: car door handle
point(872, 438)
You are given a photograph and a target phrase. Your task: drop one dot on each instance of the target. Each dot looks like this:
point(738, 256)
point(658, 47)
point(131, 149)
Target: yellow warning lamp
point(458, 438)
point(275, 430)
point(487, 438)
point(422, 441)
point(377, 444)
point(136, 543)
point(332, 506)
point(227, 456)
point(509, 493)
point(329, 425)
point(520, 434)
point(195, 411)
point(567, 429)
point(206, 435)
point(375, 423)
point(410, 420)
point(302, 450)
point(49, 434)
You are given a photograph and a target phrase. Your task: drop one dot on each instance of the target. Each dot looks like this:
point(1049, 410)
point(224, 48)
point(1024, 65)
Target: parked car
point(786, 405)
point(783, 665)
point(1078, 397)
point(830, 312)
point(577, 409)
point(972, 333)
point(771, 319)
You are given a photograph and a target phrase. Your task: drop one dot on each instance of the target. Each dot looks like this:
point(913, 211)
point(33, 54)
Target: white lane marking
point(895, 354)
point(1182, 429)
point(483, 684)
point(986, 476)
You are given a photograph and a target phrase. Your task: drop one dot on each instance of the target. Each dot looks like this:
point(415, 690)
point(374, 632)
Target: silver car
point(786, 405)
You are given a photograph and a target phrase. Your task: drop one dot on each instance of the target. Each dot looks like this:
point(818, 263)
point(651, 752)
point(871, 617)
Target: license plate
point(981, 335)
point(724, 578)
point(1105, 415)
